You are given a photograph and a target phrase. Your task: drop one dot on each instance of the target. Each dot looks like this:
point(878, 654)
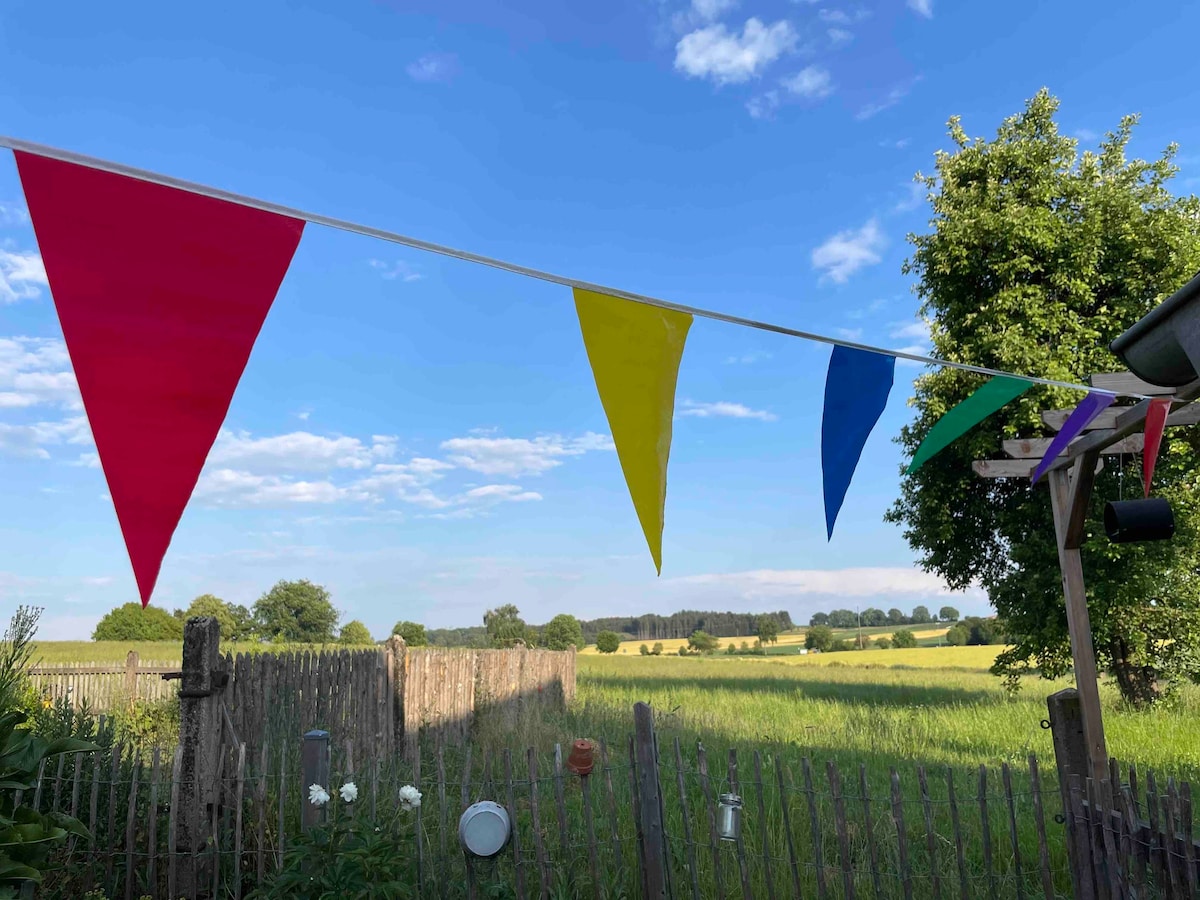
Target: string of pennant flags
point(162, 286)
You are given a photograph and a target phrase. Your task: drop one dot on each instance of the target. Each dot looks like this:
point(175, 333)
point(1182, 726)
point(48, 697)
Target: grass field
point(927, 635)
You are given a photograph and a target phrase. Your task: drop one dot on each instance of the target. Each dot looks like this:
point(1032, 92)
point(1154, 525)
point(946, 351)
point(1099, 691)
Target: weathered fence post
point(397, 666)
point(650, 824)
point(202, 683)
point(314, 765)
point(1071, 757)
point(131, 676)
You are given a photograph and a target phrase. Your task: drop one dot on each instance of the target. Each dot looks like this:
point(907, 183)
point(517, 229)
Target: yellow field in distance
point(791, 638)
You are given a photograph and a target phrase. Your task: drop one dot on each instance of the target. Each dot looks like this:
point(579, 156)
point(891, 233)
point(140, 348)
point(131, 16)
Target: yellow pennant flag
point(635, 350)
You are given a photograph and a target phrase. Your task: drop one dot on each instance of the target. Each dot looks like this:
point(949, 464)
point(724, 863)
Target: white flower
point(349, 792)
point(317, 795)
point(410, 797)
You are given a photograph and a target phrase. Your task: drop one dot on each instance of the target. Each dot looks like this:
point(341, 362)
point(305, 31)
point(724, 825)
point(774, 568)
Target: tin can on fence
point(729, 817)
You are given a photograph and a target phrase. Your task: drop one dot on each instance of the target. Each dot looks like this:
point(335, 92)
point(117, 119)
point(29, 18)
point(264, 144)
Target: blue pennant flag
point(856, 392)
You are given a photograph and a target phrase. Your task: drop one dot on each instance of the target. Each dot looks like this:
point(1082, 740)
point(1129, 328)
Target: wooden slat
point(135, 772)
point(710, 807)
point(559, 805)
point(740, 843)
point(173, 826)
point(585, 783)
point(420, 830)
point(1036, 448)
point(1136, 861)
point(239, 792)
point(58, 780)
point(1189, 846)
point(281, 839)
point(843, 833)
point(985, 832)
point(1096, 839)
point(1102, 800)
point(1083, 843)
point(110, 834)
point(1170, 803)
point(510, 793)
point(693, 869)
point(260, 816)
point(443, 812)
point(1158, 862)
point(901, 836)
point(635, 793)
point(785, 810)
point(1039, 819)
point(960, 856)
point(1127, 383)
point(762, 818)
point(152, 822)
point(1006, 778)
point(216, 843)
point(612, 811)
point(815, 826)
point(935, 882)
point(534, 812)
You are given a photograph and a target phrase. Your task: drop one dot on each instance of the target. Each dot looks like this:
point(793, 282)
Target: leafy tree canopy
point(948, 614)
point(1038, 257)
point(818, 637)
point(355, 634)
point(130, 622)
point(505, 627)
point(562, 633)
point(234, 620)
point(296, 612)
point(768, 629)
point(412, 632)
point(608, 641)
point(903, 638)
point(703, 642)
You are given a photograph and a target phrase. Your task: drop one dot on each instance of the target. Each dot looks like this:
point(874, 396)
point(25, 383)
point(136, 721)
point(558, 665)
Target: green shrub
point(903, 638)
point(657, 649)
point(644, 650)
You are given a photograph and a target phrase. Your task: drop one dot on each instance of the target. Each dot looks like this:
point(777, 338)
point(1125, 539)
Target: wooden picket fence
point(102, 687)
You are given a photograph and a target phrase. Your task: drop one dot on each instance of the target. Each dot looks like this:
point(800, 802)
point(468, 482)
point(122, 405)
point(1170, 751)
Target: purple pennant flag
point(1081, 417)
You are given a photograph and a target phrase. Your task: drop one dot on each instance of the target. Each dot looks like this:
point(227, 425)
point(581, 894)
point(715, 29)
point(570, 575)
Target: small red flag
point(1156, 422)
point(161, 294)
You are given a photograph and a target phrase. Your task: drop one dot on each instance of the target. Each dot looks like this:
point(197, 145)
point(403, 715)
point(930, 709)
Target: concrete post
point(1071, 757)
point(314, 767)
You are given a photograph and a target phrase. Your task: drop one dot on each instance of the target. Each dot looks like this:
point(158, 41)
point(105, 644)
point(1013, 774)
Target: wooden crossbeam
point(1056, 418)
point(1128, 383)
point(1035, 448)
point(1011, 468)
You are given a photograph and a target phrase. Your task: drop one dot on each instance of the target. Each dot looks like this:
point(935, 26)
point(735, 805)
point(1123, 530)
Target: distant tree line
point(877, 618)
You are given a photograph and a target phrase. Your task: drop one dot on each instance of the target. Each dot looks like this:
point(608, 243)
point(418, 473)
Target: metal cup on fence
point(729, 817)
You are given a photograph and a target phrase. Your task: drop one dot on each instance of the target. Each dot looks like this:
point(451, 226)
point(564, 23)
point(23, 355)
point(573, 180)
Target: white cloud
point(922, 7)
point(848, 251)
point(913, 198)
point(299, 451)
point(711, 10)
point(873, 307)
point(855, 582)
point(839, 37)
point(1086, 134)
point(22, 276)
point(520, 456)
point(233, 489)
point(747, 359)
point(849, 334)
point(398, 270)
point(894, 96)
point(433, 67)
point(13, 214)
point(812, 82)
point(510, 492)
point(31, 440)
point(764, 105)
point(910, 331)
point(729, 58)
point(725, 410)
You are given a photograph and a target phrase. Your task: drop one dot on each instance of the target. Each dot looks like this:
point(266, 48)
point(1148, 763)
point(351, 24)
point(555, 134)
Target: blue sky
point(422, 435)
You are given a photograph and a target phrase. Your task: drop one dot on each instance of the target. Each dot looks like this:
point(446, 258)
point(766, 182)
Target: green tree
point(413, 633)
point(296, 612)
point(505, 627)
point(839, 646)
point(562, 633)
point(644, 650)
point(920, 615)
point(958, 635)
point(872, 617)
point(948, 614)
point(819, 619)
point(903, 638)
point(842, 618)
point(608, 641)
point(657, 649)
point(883, 642)
point(234, 620)
point(1039, 256)
point(703, 642)
point(768, 629)
point(818, 637)
point(130, 622)
point(683, 650)
point(895, 617)
point(355, 634)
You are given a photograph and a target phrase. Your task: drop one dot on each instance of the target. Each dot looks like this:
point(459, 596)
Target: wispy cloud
point(1086, 134)
point(764, 105)
point(512, 457)
point(299, 451)
point(31, 440)
point(433, 67)
point(870, 309)
point(893, 96)
point(34, 372)
point(13, 214)
point(748, 359)
point(393, 271)
point(727, 57)
point(811, 82)
point(914, 197)
point(22, 276)
point(849, 334)
point(723, 409)
point(839, 37)
point(848, 251)
point(922, 8)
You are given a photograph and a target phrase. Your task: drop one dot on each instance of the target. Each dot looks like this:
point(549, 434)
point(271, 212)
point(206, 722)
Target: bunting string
point(17, 144)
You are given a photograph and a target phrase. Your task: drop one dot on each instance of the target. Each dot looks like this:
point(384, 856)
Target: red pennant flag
point(1156, 422)
point(161, 294)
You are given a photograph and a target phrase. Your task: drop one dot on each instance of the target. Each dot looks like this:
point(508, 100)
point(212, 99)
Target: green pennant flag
point(991, 396)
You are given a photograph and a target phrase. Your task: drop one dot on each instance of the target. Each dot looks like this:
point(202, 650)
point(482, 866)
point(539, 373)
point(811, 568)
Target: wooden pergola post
point(1071, 477)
